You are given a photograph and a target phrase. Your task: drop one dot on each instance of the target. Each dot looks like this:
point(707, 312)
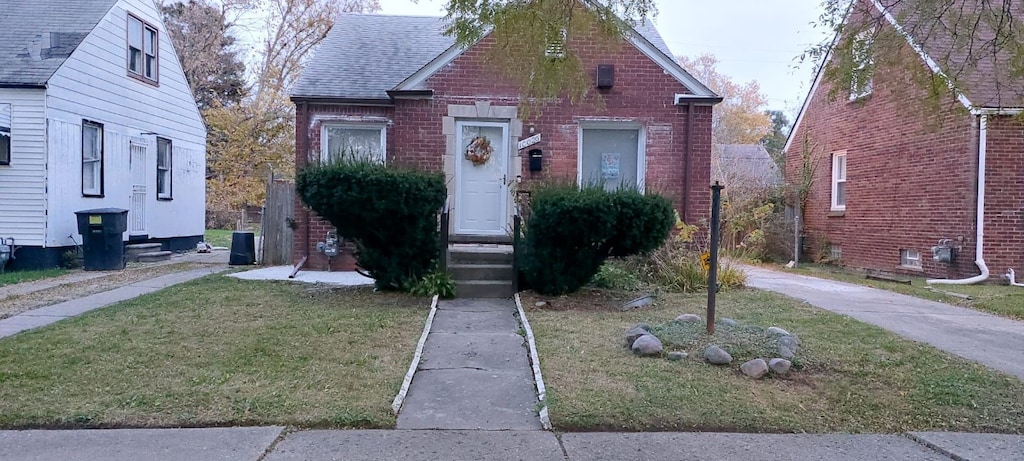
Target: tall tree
point(207, 51)
point(740, 117)
point(775, 140)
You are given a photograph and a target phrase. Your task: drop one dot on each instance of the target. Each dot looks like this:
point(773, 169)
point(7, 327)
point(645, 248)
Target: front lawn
point(1004, 300)
point(12, 277)
point(216, 352)
point(854, 377)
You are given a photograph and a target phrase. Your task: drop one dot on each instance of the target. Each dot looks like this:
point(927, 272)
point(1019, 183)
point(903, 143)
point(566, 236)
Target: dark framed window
point(5, 134)
point(92, 159)
point(164, 160)
point(143, 50)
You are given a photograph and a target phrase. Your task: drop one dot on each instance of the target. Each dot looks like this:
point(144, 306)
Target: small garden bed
point(1004, 300)
point(216, 352)
point(847, 377)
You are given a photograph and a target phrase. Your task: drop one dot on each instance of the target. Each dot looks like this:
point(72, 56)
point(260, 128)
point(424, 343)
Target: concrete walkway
point(988, 339)
point(56, 312)
point(474, 373)
point(275, 444)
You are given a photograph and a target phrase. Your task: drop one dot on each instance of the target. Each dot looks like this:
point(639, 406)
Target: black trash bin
point(243, 249)
point(102, 245)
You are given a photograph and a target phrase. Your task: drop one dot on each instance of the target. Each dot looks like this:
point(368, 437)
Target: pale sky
point(752, 39)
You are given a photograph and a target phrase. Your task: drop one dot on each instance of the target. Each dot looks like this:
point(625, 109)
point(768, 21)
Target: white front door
point(137, 213)
point(481, 185)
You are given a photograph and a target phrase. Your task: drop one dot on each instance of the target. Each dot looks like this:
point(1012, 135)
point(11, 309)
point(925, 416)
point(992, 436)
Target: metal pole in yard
point(716, 223)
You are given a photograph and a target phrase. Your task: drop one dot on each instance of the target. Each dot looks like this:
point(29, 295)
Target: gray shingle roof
point(365, 55)
point(745, 165)
point(36, 36)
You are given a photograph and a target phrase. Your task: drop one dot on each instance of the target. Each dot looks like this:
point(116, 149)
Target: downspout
point(686, 161)
point(979, 260)
point(305, 148)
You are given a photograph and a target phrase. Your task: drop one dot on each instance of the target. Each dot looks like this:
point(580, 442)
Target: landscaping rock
point(791, 342)
point(785, 352)
point(776, 331)
point(717, 355)
point(637, 331)
point(647, 345)
point(540, 303)
point(756, 368)
point(677, 356)
point(779, 366)
point(727, 321)
point(689, 318)
point(637, 303)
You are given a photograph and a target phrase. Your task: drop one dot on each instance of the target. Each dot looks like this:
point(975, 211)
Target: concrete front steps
point(146, 253)
point(481, 270)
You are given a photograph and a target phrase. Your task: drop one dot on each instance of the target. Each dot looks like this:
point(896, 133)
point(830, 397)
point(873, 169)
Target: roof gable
point(36, 37)
point(365, 56)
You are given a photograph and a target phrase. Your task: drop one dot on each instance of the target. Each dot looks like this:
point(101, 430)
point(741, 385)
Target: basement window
point(910, 258)
point(835, 253)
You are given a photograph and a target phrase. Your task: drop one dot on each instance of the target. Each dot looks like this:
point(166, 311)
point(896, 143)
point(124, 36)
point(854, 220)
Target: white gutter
point(1013, 281)
point(979, 238)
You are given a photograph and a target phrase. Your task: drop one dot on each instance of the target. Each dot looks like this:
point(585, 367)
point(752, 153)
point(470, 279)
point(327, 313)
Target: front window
point(163, 168)
point(839, 181)
point(92, 159)
point(352, 142)
point(611, 157)
point(142, 50)
point(5, 134)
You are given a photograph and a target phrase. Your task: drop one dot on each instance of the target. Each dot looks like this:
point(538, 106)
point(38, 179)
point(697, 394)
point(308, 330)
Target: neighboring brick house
point(891, 182)
point(397, 88)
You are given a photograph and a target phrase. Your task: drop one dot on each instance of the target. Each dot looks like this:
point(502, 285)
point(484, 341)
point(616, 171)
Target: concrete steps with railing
point(481, 270)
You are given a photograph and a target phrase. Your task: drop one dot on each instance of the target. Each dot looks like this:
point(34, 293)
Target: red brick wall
point(643, 93)
point(911, 180)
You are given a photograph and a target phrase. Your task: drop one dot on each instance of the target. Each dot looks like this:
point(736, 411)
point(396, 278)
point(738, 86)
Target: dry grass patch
point(216, 352)
point(854, 377)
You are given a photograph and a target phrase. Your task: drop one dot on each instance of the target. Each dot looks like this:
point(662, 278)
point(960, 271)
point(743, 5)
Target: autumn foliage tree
point(740, 117)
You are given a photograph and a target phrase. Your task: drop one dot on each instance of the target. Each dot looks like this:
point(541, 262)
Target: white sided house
point(95, 112)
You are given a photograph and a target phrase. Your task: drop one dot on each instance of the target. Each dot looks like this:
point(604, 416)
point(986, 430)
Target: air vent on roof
point(556, 45)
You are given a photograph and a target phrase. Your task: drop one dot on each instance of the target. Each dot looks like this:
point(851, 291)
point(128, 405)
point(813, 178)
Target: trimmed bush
point(572, 231)
point(389, 214)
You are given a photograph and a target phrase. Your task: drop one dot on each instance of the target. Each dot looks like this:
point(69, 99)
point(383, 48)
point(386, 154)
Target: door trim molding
point(459, 207)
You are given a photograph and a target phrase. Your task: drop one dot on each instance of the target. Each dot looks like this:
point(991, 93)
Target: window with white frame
point(835, 253)
point(142, 50)
point(839, 181)
point(861, 83)
point(92, 159)
point(910, 258)
point(611, 156)
point(352, 142)
point(5, 134)
point(163, 168)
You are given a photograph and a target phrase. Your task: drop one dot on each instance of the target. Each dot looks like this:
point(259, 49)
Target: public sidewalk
point(988, 339)
point(275, 444)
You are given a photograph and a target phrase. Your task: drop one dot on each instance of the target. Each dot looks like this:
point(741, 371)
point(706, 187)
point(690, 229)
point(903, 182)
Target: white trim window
point(92, 159)
point(365, 142)
point(612, 154)
point(861, 83)
point(5, 134)
point(164, 160)
point(910, 258)
point(839, 181)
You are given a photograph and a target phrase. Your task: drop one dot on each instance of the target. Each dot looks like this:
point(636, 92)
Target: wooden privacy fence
point(278, 220)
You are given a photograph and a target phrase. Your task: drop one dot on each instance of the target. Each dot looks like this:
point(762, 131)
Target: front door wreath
point(479, 150)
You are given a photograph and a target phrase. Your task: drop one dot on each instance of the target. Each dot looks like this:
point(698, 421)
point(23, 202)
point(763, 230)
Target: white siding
point(23, 182)
point(93, 84)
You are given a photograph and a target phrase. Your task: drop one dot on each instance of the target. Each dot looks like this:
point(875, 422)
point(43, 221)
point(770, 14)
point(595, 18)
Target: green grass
point(218, 237)
point(1004, 300)
point(10, 278)
point(852, 377)
point(216, 352)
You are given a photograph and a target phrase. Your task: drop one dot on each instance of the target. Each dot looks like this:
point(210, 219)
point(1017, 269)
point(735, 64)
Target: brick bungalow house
point(396, 88)
point(899, 189)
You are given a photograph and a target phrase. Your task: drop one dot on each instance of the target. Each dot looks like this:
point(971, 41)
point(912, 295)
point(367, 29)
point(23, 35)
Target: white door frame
point(504, 192)
point(138, 159)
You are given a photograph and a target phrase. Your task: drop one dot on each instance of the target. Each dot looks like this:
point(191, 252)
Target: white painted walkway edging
point(545, 420)
point(396, 405)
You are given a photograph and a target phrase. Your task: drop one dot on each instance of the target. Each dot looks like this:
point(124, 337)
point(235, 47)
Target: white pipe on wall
point(979, 260)
point(1013, 280)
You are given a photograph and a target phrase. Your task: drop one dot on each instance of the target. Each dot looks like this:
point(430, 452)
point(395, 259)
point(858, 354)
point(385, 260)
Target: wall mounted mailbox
point(536, 159)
